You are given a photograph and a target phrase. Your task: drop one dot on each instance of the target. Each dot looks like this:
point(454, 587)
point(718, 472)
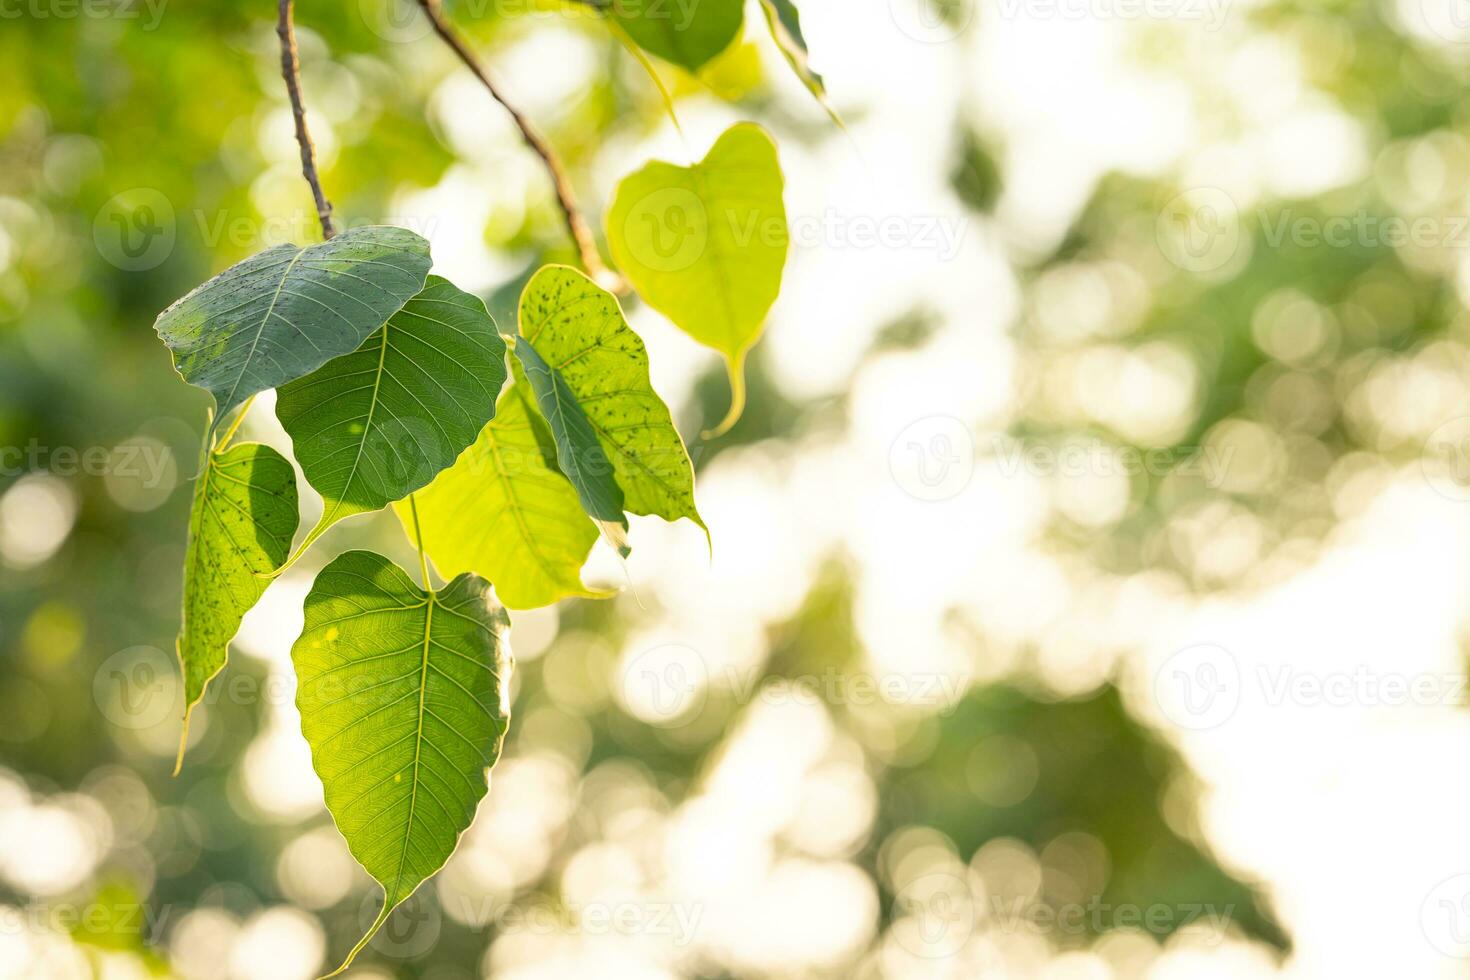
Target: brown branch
point(576, 223)
point(291, 72)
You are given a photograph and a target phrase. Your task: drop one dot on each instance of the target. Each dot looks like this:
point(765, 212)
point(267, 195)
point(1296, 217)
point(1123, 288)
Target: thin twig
point(576, 224)
point(291, 72)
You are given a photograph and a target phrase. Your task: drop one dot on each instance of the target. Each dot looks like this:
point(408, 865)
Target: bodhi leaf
point(785, 23)
point(706, 245)
point(504, 512)
point(687, 33)
point(579, 454)
point(374, 426)
point(579, 328)
point(287, 311)
point(403, 697)
point(241, 525)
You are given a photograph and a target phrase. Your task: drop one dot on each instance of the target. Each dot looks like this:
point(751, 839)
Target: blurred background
point(1089, 578)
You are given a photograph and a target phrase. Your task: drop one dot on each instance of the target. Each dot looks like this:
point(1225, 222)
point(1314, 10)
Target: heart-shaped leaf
point(686, 32)
point(706, 245)
point(374, 426)
point(284, 313)
point(241, 525)
point(579, 329)
point(403, 696)
point(504, 511)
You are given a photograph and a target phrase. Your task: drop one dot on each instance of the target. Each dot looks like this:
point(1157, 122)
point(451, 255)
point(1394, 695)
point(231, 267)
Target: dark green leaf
point(284, 313)
point(686, 32)
point(374, 426)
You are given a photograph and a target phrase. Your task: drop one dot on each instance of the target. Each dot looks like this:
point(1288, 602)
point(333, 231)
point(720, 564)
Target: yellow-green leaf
point(579, 329)
point(241, 525)
point(403, 695)
point(706, 245)
point(504, 511)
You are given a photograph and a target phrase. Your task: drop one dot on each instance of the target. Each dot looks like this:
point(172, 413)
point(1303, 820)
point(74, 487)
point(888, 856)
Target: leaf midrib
point(254, 343)
point(418, 748)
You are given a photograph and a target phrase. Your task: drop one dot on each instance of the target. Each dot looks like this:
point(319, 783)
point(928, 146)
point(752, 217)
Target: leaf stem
point(224, 441)
point(291, 72)
point(576, 224)
point(418, 540)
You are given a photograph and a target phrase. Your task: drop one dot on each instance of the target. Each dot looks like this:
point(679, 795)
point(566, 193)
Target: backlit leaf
point(579, 328)
point(403, 697)
point(374, 426)
point(241, 525)
point(706, 245)
point(504, 512)
point(785, 23)
point(687, 33)
point(284, 313)
point(579, 454)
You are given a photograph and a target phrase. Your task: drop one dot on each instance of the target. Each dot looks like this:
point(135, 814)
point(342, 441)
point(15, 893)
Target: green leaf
point(706, 245)
point(285, 312)
point(579, 455)
point(686, 32)
point(785, 23)
point(374, 426)
point(403, 698)
point(241, 525)
point(580, 329)
point(504, 512)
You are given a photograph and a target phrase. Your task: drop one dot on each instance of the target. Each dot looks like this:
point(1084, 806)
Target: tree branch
point(291, 72)
point(575, 222)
